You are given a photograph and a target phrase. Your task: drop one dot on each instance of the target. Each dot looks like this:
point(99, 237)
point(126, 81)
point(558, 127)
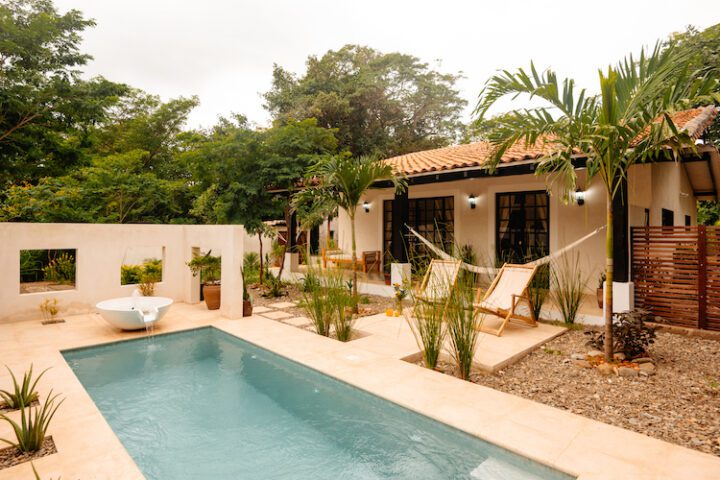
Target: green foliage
point(30, 431)
point(207, 266)
point(47, 110)
point(251, 261)
point(274, 286)
point(463, 329)
point(708, 212)
point(380, 104)
point(568, 284)
point(340, 182)
point(23, 394)
point(317, 307)
point(149, 271)
point(427, 324)
point(538, 289)
point(329, 304)
point(632, 336)
point(60, 269)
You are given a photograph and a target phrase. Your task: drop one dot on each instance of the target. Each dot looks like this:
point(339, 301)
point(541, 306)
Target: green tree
point(380, 103)
point(45, 109)
point(627, 123)
point(341, 182)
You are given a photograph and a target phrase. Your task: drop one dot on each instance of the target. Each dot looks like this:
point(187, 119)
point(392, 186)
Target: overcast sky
point(223, 50)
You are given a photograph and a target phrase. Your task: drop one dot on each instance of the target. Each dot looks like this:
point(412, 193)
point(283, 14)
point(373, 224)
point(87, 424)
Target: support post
point(702, 277)
point(400, 217)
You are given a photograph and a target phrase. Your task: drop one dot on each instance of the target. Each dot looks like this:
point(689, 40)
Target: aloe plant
point(34, 422)
point(23, 394)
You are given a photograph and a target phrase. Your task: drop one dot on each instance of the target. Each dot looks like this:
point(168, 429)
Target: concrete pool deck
point(88, 449)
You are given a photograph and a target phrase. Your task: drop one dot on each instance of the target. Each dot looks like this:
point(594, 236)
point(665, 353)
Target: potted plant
point(247, 304)
point(208, 267)
point(599, 292)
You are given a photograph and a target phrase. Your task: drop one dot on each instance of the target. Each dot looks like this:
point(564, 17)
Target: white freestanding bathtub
point(134, 313)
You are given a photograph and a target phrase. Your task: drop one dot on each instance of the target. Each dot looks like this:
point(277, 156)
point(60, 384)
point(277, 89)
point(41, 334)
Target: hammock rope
point(492, 270)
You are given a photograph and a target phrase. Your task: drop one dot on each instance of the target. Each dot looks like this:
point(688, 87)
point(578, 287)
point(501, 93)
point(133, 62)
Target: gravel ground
point(374, 305)
point(680, 404)
point(11, 456)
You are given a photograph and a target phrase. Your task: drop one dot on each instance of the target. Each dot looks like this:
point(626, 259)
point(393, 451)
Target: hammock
point(492, 270)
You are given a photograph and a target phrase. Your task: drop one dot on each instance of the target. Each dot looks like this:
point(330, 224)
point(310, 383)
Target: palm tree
point(341, 182)
point(627, 123)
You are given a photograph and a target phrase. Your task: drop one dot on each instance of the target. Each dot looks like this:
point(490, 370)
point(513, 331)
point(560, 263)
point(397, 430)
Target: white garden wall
point(100, 250)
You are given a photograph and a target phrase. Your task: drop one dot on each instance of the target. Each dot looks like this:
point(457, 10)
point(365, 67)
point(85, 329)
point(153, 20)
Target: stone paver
point(276, 315)
point(297, 321)
point(261, 309)
point(282, 304)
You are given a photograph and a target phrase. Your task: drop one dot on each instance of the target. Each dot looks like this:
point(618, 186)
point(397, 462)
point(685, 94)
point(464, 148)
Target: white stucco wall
point(649, 186)
point(100, 250)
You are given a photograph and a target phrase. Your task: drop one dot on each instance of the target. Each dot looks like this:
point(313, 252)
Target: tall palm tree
point(341, 182)
point(628, 122)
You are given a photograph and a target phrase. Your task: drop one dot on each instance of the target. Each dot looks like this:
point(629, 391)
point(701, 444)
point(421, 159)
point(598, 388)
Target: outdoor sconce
point(366, 206)
point(472, 200)
point(579, 197)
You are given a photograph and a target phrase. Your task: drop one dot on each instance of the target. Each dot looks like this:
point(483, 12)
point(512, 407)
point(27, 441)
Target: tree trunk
point(307, 248)
point(287, 241)
point(353, 263)
point(609, 281)
point(261, 258)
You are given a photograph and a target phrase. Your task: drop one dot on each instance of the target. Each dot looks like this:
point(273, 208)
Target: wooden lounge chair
point(439, 280)
point(506, 292)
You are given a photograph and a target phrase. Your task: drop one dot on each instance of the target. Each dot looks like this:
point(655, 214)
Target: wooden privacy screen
point(676, 271)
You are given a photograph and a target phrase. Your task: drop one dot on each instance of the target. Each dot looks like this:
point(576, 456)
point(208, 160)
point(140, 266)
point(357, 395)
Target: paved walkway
point(88, 448)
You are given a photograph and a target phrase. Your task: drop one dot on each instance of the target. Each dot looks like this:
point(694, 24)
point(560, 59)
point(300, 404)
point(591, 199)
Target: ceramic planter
point(211, 294)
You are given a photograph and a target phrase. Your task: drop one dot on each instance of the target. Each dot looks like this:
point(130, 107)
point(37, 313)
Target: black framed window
point(668, 218)
point(688, 220)
point(433, 218)
point(522, 222)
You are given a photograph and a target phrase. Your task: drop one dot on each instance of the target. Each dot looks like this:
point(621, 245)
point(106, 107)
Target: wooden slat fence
point(676, 271)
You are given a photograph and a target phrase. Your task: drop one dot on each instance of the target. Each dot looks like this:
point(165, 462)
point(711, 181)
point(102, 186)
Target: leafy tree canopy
point(45, 109)
point(381, 104)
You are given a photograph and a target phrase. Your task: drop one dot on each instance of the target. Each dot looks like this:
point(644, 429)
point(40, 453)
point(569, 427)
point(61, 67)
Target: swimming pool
point(204, 404)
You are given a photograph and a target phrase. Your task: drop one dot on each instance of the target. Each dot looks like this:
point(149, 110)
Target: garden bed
point(4, 407)
point(372, 304)
point(11, 456)
point(680, 403)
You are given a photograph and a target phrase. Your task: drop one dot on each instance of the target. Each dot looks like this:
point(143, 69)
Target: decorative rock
point(648, 368)
point(577, 356)
point(605, 369)
point(627, 372)
point(619, 356)
point(583, 364)
point(643, 360)
point(595, 353)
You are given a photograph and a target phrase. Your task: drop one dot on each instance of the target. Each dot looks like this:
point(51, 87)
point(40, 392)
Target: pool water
point(206, 405)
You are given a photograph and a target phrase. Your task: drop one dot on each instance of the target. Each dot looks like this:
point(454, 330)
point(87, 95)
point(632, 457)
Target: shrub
point(463, 328)
point(568, 284)
point(428, 328)
point(49, 308)
point(30, 432)
point(207, 266)
point(60, 269)
point(274, 287)
point(251, 261)
point(310, 281)
point(130, 274)
point(631, 336)
point(342, 304)
point(329, 305)
point(538, 289)
point(23, 394)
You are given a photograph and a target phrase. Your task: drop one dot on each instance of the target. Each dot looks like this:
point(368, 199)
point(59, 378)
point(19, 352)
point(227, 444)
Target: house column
point(623, 291)
point(292, 257)
point(400, 268)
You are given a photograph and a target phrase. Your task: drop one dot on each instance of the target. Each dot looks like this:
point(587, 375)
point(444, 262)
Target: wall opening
point(47, 270)
point(141, 265)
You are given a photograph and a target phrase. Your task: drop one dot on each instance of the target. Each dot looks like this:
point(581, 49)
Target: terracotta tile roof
point(694, 121)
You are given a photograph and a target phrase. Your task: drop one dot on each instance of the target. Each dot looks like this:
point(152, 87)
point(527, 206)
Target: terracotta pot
point(599, 294)
point(247, 308)
point(211, 294)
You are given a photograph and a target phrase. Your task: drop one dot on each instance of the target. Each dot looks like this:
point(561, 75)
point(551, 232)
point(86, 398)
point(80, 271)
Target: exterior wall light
point(579, 197)
point(366, 206)
point(472, 200)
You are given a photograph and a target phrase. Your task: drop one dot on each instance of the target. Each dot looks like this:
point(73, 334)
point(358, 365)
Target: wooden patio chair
point(505, 293)
point(440, 278)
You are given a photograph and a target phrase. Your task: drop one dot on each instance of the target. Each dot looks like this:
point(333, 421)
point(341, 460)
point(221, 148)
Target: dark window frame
point(523, 258)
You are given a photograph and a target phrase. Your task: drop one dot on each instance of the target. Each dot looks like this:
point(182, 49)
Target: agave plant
point(23, 394)
point(34, 422)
